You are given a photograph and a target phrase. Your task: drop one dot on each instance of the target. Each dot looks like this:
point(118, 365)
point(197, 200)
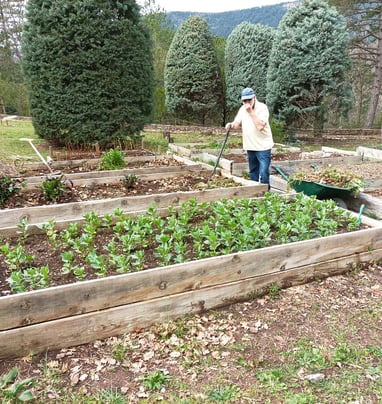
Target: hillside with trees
point(222, 24)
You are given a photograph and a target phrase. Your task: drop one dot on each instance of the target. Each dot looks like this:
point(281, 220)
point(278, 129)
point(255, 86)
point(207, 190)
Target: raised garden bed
point(73, 314)
point(163, 186)
point(135, 159)
point(231, 157)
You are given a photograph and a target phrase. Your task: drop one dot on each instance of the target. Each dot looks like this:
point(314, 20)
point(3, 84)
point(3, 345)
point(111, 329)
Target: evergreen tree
point(308, 66)
point(246, 60)
point(220, 44)
point(162, 32)
point(193, 84)
point(89, 70)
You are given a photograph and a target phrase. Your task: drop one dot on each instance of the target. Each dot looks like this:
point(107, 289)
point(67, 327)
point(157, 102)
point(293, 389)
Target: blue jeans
point(259, 163)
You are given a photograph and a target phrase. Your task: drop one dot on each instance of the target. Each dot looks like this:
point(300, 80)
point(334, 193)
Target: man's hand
point(248, 107)
point(228, 125)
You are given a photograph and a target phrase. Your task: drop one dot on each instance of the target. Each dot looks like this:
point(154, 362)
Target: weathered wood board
point(223, 163)
point(115, 176)
point(373, 206)
point(368, 152)
point(84, 328)
point(89, 163)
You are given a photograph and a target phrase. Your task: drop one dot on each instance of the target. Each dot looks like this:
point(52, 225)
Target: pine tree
point(246, 60)
point(193, 84)
point(309, 63)
point(89, 70)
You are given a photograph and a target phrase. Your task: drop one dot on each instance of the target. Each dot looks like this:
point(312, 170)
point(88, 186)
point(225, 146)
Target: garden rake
point(68, 183)
point(220, 154)
point(30, 141)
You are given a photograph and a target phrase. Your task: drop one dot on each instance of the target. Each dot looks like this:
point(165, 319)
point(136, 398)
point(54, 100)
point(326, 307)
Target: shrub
point(112, 160)
point(53, 188)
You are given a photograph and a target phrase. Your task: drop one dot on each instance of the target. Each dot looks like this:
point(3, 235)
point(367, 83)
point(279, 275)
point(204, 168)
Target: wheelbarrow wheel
point(340, 203)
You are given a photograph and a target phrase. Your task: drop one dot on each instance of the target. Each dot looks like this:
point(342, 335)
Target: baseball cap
point(247, 94)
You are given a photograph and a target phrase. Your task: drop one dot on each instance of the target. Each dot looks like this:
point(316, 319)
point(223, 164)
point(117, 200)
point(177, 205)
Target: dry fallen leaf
point(148, 355)
point(74, 379)
point(27, 359)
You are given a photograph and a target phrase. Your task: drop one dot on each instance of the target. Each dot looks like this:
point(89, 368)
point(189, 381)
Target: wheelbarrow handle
point(281, 172)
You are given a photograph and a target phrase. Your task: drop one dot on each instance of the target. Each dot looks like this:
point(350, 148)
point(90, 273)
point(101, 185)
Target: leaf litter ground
point(319, 341)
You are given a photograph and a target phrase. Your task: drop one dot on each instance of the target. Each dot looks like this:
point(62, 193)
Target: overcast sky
point(211, 6)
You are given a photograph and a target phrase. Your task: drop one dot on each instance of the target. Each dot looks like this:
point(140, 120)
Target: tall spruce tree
point(89, 70)
point(308, 67)
point(193, 84)
point(246, 60)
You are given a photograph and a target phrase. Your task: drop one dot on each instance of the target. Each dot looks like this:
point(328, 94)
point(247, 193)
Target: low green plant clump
point(53, 187)
point(13, 391)
point(8, 188)
point(130, 181)
point(118, 243)
point(156, 380)
point(112, 160)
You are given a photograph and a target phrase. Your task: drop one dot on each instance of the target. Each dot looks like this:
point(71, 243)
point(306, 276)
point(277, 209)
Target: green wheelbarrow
point(323, 191)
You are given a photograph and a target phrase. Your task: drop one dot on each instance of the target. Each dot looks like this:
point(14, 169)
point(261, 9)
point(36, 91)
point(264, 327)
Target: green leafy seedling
point(9, 187)
point(13, 391)
point(53, 188)
point(156, 380)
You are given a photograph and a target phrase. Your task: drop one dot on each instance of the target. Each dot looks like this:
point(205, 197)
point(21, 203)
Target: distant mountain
point(221, 24)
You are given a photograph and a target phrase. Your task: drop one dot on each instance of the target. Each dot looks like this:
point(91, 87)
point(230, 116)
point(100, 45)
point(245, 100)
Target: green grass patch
point(12, 148)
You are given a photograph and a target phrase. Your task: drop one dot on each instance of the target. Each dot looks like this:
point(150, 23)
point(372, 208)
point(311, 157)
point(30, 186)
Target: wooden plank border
point(80, 329)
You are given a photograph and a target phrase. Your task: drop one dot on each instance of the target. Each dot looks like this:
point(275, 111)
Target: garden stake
point(220, 154)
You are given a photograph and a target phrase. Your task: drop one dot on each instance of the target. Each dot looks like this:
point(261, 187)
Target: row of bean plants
point(117, 243)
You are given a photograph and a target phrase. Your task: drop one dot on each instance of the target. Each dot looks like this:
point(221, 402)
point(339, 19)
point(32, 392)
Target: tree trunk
point(376, 88)
point(2, 106)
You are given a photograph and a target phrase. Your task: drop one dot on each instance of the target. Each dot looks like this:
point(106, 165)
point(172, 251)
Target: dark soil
point(187, 182)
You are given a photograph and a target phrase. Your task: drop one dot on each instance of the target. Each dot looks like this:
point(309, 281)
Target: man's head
point(248, 96)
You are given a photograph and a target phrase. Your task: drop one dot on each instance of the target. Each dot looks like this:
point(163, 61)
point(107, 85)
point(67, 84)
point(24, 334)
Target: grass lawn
point(12, 148)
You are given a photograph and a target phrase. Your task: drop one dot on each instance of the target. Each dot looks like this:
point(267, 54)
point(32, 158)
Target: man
point(253, 116)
